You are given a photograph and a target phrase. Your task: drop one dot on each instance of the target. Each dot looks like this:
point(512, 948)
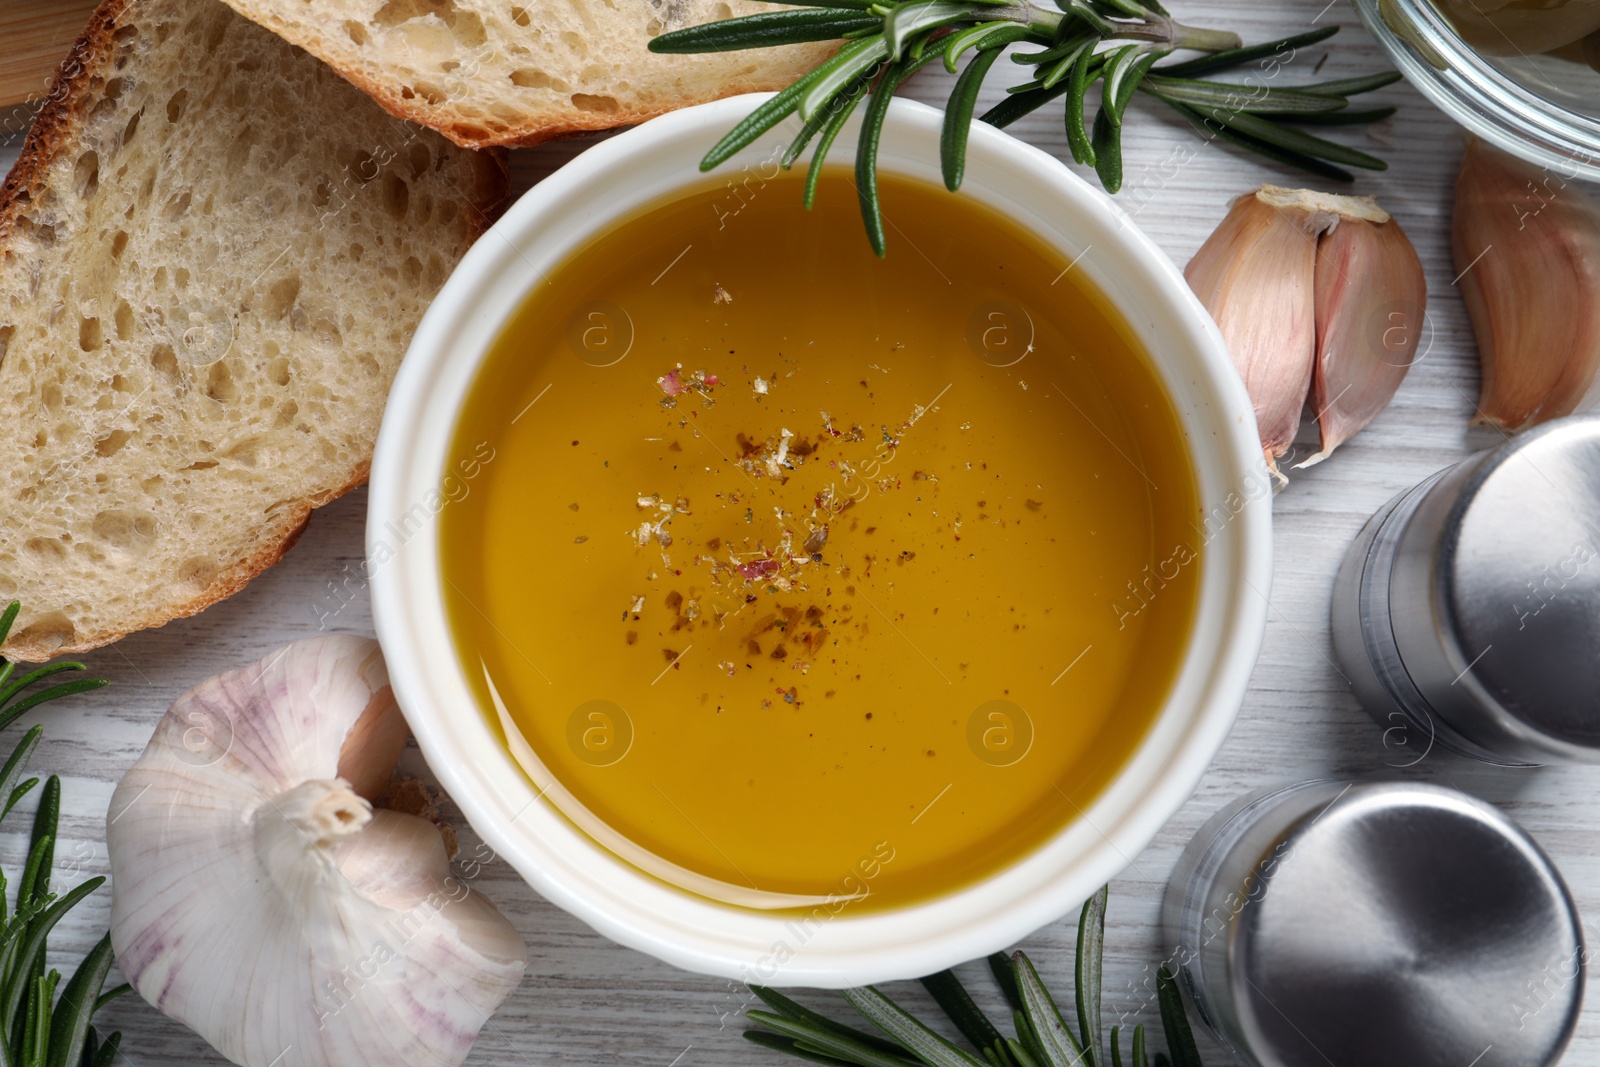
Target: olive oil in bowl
point(797, 575)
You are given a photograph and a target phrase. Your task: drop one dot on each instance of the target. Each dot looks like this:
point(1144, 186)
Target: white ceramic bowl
point(606, 183)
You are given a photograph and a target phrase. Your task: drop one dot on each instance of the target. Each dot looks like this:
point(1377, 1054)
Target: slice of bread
point(213, 252)
point(517, 72)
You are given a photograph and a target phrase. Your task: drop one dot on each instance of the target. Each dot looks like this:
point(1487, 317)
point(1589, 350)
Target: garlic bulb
point(258, 897)
point(1314, 294)
point(1371, 297)
point(1527, 247)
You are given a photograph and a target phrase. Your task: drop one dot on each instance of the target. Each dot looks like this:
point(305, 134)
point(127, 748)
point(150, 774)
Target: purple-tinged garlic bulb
point(259, 898)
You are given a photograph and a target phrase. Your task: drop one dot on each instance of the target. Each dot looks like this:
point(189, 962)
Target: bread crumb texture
point(517, 72)
point(213, 252)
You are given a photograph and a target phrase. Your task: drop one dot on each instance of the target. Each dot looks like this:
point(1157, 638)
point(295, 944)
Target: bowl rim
point(839, 948)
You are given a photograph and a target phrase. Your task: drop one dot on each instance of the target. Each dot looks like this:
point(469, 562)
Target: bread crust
point(534, 129)
point(533, 133)
point(54, 127)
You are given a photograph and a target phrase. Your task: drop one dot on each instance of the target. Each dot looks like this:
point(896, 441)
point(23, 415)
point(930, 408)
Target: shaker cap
point(1406, 925)
point(1518, 573)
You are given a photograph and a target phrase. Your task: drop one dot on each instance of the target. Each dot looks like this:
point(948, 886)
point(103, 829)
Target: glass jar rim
point(1435, 59)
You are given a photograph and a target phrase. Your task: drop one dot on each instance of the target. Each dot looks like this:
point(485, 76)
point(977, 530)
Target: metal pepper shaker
point(1375, 925)
point(1467, 611)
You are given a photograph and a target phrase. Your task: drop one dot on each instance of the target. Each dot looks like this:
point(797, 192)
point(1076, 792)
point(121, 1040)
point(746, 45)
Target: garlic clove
point(371, 751)
point(1256, 275)
point(1527, 249)
point(260, 900)
point(1371, 299)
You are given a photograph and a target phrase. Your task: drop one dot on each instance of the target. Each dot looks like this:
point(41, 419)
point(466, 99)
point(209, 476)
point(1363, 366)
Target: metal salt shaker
point(1376, 924)
point(1467, 612)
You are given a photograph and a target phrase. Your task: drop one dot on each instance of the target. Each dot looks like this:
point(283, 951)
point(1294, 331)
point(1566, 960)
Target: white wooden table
point(588, 1001)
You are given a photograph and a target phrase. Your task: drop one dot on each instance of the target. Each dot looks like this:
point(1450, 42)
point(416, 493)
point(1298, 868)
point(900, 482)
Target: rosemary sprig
point(1113, 44)
point(38, 1028)
point(1044, 1037)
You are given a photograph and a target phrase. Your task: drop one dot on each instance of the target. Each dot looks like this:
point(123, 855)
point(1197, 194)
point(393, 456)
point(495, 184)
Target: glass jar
point(1539, 107)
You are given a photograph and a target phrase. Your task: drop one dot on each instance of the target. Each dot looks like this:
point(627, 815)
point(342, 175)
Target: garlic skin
point(1527, 248)
point(1371, 302)
point(258, 898)
point(1256, 275)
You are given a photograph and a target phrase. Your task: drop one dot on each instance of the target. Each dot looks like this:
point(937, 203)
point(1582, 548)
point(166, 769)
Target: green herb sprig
point(39, 1028)
point(1114, 44)
point(1043, 1036)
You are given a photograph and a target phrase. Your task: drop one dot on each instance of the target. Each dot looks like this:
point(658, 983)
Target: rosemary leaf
point(854, 60)
point(763, 118)
point(8, 619)
point(1116, 1046)
point(1006, 979)
point(851, 5)
point(32, 947)
point(826, 1042)
point(779, 1043)
point(1028, 1039)
point(111, 994)
point(38, 849)
point(1020, 1053)
point(21, 707)
point(922, 1042)
point(1244, 97)
point(1131, 8)
point(1234, 57)
point(1139, 1059)
point(1119, 92)
point(108, 1052)
point(33, 676)
point(1288, 158)
point(1353, 86)
point(763, 30)
point(1118, 60)
point(983, 35)
point(1087, 974)
point(1180, 1039)
point(45, 821)
point(41, 996)
point(906, 20)
point(1082, 9)
point(958, 117)
point(1065, 50)
point(799, 1012)
point(1084, 74)
point(1014, 107)
point(1292, 139)
point(1107, 141)
point(1337, 118)
point(22, 790)
point(9, 787)
point(1055, 1038)
point(1060, 69)
point(957, 1003)
point(830, 133)
point(69, 1028)
point(818, 122)
point(867, 148)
